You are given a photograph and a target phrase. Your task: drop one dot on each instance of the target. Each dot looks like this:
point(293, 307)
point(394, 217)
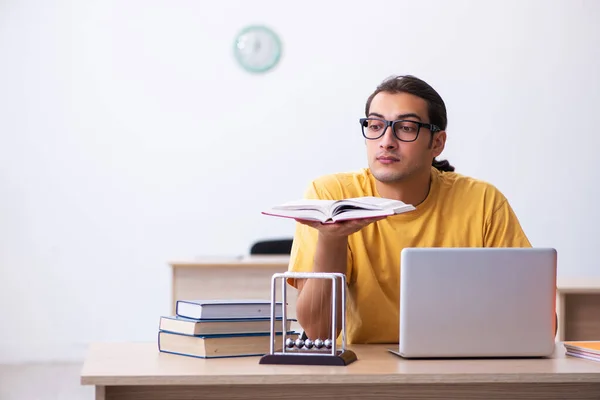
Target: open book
point(329, 211)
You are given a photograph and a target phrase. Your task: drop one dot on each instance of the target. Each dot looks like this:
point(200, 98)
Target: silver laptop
point(477, 302)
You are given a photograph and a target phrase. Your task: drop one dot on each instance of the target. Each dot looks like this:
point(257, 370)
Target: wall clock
point(257, 49)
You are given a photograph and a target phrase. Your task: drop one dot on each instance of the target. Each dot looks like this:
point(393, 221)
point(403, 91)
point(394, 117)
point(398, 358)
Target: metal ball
point(328, 343)
point(308, 344)
point(318, 343)
point(289, 343)
point(299, 343)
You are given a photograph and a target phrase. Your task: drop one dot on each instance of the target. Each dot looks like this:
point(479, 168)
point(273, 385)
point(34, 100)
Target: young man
point(404, 131)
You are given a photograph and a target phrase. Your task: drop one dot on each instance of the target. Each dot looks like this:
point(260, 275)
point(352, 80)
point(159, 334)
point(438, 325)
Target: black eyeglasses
point(404, 130)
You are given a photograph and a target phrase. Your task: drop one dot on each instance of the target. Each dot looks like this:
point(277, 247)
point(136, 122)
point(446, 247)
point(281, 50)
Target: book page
point(368, 203)
point(358, 214)
point(313, 215)
point(322, 206)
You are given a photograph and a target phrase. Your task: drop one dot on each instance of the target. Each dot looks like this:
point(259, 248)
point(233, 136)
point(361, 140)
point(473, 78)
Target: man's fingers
point(340, 228)
point(311, 223)
point(374, 219)
point(366, 221)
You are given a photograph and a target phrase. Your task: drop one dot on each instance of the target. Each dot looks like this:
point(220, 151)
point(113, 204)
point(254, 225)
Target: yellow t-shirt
point(459, 211)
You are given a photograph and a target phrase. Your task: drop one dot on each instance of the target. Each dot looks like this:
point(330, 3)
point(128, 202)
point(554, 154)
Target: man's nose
point(388, 140)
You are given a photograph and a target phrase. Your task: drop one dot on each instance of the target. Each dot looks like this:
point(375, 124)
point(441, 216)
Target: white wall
point(129, 137)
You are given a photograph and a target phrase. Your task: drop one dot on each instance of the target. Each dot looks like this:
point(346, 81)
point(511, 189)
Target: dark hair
point(417, 87)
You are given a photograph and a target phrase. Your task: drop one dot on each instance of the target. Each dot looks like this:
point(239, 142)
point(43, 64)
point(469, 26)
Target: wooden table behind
point(241, 278)
point(578, 307)
point(577, 300)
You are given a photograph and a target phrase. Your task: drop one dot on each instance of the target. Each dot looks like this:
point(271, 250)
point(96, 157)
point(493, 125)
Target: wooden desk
point(577, 300)
point(138, 371)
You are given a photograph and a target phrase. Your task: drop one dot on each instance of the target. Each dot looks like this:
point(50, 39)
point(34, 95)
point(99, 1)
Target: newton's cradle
point(320, 351)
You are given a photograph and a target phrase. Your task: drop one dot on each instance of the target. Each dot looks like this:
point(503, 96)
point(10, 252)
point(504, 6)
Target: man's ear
point(438, 143)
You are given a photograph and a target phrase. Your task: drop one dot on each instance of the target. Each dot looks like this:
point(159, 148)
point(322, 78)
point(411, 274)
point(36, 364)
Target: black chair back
point(275, 246)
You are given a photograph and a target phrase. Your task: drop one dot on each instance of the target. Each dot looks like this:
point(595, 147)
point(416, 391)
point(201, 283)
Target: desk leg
point(173, 290)
point(560, 313)
point(100, 393)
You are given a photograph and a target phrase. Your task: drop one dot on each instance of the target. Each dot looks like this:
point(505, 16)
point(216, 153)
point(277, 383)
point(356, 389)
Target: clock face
point(257, 49)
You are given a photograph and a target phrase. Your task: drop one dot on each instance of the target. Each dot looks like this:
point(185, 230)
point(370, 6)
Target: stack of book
point(221, 328)
point(590, 350)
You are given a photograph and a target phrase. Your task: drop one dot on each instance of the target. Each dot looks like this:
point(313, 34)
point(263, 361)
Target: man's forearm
point(314, 301)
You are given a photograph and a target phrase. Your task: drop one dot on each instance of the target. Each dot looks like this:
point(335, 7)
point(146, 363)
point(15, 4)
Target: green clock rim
point(273, 35)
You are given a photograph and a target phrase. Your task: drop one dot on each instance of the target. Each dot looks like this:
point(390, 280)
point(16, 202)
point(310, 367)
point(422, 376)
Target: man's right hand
point(340, 229)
